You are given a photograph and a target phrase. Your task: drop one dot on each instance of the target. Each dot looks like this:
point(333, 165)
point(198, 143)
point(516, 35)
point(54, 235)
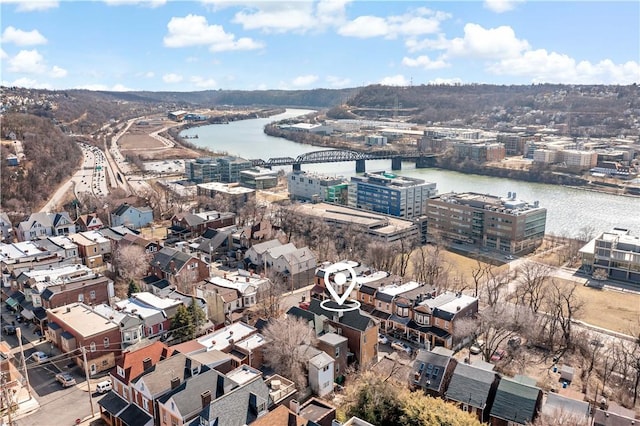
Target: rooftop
point(83, 319)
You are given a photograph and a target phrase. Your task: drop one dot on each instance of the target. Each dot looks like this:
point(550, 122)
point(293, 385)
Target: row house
point(296, 265)
point(77, 328)
point(477, 389)
point(412, 312)
point(190, 225)
point(131, 325)
point(176, 266)
point(128, 367)
point(233, 292)
point(360, 330)
point(6, 229)
point(44, 225)
point(94, 248)
point(156, 312)
point(37, 254)
point(156, 385)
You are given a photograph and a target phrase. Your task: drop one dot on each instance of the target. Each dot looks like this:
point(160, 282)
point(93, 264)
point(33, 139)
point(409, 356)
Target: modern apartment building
point(615, 252)
point(506, 224)
point(391, 194)
point(313, 186)
point(222, 169)
point(480, 151)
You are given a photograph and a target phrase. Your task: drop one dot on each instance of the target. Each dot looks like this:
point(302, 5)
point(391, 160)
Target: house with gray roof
point(45, 224)
point(432, 372)
point(130, 216)
point(516, 402)
point(175, 265)
point(220, 400)
point(158, 380)
point(566, 410)
point(6, 228)
point(473, 389)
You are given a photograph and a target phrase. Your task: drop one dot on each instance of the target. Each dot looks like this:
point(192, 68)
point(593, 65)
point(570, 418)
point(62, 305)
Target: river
point(568, 209)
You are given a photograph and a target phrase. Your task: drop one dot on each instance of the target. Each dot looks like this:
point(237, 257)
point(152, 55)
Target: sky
point(164, 45)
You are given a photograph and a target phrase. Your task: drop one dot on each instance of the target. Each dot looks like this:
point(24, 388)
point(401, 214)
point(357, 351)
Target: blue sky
point(162, 45)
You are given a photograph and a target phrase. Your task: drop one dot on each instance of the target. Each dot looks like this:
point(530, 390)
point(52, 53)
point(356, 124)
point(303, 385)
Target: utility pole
point(86, 373)
point(24, 361)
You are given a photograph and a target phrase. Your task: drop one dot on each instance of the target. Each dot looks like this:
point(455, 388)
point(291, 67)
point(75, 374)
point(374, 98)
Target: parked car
point(509, 257)
point(475, 349)
point(382, 339)
point(65, 379)
point(104, 386)
point(401, 346)
point(498, 355)
point(39, 356)
point(9, 329)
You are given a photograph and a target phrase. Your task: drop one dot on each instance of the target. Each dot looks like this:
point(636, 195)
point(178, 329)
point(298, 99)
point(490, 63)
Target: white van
point(104, 386)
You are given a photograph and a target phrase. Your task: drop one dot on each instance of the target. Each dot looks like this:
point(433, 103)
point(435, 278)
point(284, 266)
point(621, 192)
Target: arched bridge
point(334, 156)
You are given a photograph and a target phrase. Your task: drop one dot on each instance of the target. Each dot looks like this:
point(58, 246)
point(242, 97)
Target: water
point(568, 209)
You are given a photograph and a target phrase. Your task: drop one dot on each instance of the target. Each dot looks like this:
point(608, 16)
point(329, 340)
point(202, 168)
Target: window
point(326, 384)
point(164, 416)
point(93, 369)
point(106, 342)
point(81, 297)
point(92, 294)
point(337, 351)
point(120, 371)
point(379, 304)
point(92, 347)
point(145, 404)
point(105, 362)
point(325, 368)
point(362, 297)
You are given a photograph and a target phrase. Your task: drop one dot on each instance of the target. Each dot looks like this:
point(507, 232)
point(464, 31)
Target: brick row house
point(414, 312)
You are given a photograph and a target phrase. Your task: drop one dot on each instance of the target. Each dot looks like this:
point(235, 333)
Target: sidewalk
point(26, 405)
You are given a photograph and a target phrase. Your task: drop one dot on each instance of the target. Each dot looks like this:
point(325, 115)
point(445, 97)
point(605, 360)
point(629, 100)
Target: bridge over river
point(342, 155)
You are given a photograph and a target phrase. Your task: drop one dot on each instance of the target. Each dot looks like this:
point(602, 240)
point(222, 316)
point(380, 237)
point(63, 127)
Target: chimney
point(146, 364)
point(220, 386)
point(205, 397)
point(294, 406)
point(175, 382)
point(68, 309)
point(247, 279)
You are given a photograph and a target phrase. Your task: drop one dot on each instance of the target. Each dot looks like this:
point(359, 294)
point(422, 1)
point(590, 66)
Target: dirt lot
point(138, 142)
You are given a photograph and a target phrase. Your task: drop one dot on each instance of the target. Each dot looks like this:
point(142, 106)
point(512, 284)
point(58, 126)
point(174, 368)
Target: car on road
point(66, 379)
point(9, 329)
point(104, 386)
point(39, 356)
point(382, 339)
point(509, 257)
point(401, 346)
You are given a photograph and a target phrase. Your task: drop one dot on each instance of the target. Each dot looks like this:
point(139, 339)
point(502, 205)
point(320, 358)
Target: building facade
point(505, 224)
point(311, 186)
point(390, 194)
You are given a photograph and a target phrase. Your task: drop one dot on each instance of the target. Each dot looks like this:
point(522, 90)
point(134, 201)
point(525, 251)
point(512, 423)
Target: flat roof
point(243, 374)
point(226, 188)
point(394, 289)
point(219, 339)
point(83, 319)
point(251, 342)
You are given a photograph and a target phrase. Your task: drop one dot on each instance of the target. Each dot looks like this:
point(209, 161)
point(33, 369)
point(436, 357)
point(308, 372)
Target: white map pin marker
point(340, 279)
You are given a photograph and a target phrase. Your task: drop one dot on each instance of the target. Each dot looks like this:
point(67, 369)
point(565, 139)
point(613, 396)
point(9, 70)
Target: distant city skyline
point(160, 45)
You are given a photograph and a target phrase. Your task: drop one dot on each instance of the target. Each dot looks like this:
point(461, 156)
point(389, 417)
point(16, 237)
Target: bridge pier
point(297, 167)
point(396, 163)
point(360, 166)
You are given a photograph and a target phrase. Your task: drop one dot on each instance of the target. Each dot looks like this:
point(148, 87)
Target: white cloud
point(203, 83)
point(3, 54)
point(172, 78)
point(285, 16)
point(22, 38)
point(32, 5)
point(492, 43)
point(149, 3)
point(103, 87)
point(304, 80)
point(338, 82)
point(551, 67)
point(420, 21)
point(27, 62)
point(500, 6)
point(425, 62)
point(27, 83)
point(57, 72)
point(149, 74)
point(394, 80)
point(193, 30)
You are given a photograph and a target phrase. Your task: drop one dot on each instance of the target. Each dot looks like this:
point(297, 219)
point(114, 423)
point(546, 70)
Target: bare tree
point(479, 273)
point(269, 295)
point(130, 263)
point(381, 256)
point(286, 351)
point(495, 284)
point(530, 290)
point(561, 307)
point(561, 417)
point(499, 323)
